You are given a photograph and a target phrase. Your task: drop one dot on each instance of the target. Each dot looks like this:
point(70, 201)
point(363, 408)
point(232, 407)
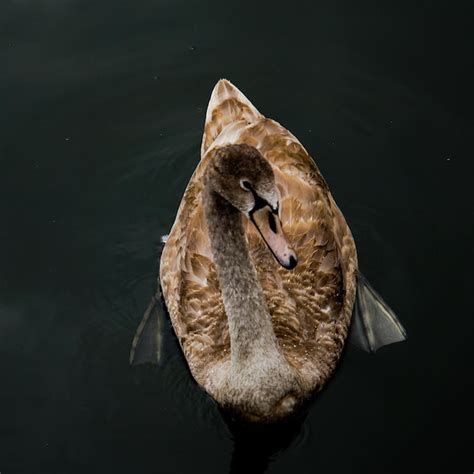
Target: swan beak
point(268, 224)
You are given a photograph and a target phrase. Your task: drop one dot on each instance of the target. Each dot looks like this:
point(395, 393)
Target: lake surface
point(102, 105)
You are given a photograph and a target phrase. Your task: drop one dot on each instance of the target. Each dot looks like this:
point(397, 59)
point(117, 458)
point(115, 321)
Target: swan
point(259, 272)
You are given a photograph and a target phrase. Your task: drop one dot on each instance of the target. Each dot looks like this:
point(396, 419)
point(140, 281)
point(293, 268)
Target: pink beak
point(268, 224)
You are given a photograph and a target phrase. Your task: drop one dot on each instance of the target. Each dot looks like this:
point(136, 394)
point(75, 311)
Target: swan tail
point(374, 324)
point(226, 105)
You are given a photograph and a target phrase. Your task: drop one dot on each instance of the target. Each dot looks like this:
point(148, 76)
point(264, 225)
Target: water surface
point(102, 106)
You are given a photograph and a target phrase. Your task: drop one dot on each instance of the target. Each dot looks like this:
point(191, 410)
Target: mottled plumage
point(311, 305)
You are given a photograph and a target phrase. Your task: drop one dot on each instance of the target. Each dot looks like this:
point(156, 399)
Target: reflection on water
point(255, 447)
point(102, 111)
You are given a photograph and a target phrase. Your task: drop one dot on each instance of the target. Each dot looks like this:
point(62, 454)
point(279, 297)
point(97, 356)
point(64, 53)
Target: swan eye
point(245, 185)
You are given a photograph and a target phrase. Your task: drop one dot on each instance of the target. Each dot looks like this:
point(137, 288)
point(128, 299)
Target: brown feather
point(311, 305)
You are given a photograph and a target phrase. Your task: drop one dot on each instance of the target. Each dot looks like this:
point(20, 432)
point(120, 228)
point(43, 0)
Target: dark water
point(101, 107)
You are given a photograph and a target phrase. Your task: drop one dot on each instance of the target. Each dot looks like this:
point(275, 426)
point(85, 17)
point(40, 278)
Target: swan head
point(241, 175)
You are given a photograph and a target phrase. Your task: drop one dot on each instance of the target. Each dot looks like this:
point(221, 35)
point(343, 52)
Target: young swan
point(239, 184)
point(258, 335)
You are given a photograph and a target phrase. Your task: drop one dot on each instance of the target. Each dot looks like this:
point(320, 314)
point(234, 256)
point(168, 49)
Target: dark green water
point(102, 105)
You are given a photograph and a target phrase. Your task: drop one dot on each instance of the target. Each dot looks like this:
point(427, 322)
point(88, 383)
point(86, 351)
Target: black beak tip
point(291, 263)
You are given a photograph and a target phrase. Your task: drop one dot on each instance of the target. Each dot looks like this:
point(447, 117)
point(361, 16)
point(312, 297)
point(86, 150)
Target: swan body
point(258, 337)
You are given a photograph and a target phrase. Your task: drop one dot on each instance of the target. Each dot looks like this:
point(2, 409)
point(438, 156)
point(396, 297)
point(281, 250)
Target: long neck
point(250, 328)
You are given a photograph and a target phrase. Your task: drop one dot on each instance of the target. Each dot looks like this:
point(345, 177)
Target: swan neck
point(251, 332)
